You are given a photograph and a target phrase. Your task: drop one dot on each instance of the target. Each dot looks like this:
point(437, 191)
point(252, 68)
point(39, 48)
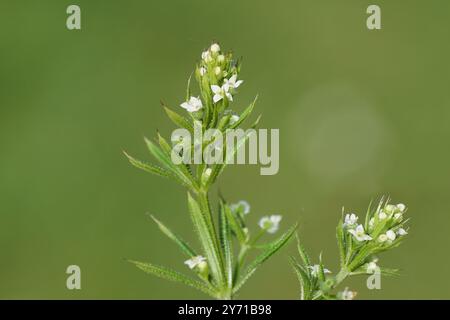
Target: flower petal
point(215, 88)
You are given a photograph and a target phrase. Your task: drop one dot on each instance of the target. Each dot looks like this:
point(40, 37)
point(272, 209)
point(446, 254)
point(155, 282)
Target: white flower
point(195, 261)
point(206, 56)
point(217, 70)
point(215, 48)
point(382, 238)
point(347, 294)
point(315, 270)
point(221, 58)
point(232, 83)
point(360, 234)
point(398, 216)
point(402, 232)
point(390, 235)
point(202, 71)
point(241, 204)
point(372, 267)
point(270, 223)
point(234, 118)
point(350, 219)
point(382, 215)
point(220, 93)
point(390, 208)
point(194, 104)
point(401, 207)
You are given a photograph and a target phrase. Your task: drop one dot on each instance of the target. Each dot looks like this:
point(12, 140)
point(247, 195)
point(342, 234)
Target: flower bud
point(205, 176)
point(215, 48)
point(382, 238)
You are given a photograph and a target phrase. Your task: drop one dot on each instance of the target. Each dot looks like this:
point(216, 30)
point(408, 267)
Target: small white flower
point(233, 82)
point(234, 118)
point(382, 215)
point(390, 208)
point(382, 238)
point(270, 223)
point(315, 270)
point(221, 58)
point(194, 104)
point(350, 219)
point(398, 216)
point(402, 232)
point(390, 235)
point(372, 267)
point(215, 48)
point(360, 234)
point(241, 204)
point(206, 56)
point(202, 71)
point(195, 261)
point(217, 70)
point(348, 295)
point(401, 207)
point(220, 93)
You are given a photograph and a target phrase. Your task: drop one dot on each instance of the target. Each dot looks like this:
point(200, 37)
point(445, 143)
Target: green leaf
point(389, 272)
point(234, 224)
point(226, 244)
point(169, 165)
point(168, 274)
point(341, 243)
point(167, 149)
point(303, 277)
point(207, 239)
point(147, 167)
point(179, 120)
point(321, 273)
point(244, 114)
point(180, 242)
point(264, 256)
point(188, 88)
point(302, 253)
point(229, 154)
point(368, 215)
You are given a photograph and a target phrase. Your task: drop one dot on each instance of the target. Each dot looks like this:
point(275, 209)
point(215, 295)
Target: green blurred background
point(361, 113)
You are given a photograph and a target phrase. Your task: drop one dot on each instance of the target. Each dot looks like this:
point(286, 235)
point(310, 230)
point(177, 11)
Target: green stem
point(341, 276)
point(206, 210)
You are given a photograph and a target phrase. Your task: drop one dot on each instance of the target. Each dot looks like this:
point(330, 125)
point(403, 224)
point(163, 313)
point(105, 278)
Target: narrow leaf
point(147, 167)
point(167, 162)
point(207, 239)
point(264, 256)
point(244, 114)
point(341, 243)
point(179, 120)
point(303, 277)
point(302, 253)
point(234, 224)
point(168, 274)
point(226, 244)
point(180, 242)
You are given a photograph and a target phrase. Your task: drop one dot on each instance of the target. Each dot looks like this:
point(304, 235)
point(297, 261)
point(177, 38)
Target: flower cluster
point(217, 74)
point(359, 243)
point(385, 225)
